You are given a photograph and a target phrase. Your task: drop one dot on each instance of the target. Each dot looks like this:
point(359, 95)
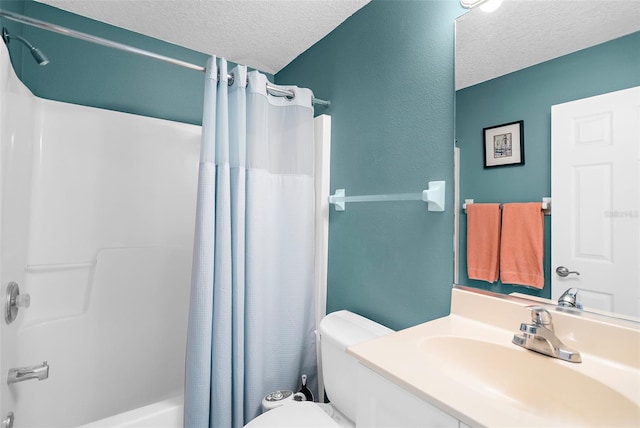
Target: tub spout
point(40, 372)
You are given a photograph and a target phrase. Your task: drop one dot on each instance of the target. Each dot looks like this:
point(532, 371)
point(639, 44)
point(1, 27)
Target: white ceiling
point(522, 33)
point(263, 34)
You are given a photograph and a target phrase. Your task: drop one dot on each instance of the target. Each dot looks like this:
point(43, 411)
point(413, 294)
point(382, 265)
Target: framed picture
point(504, 144)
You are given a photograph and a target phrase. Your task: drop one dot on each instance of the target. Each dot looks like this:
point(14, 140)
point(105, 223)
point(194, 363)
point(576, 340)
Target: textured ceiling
point(268, 34)
point(263, 34)
point(522, 33)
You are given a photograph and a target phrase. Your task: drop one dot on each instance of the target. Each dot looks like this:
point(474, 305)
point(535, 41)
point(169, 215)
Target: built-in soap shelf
point(546, 205)
point(434, 196)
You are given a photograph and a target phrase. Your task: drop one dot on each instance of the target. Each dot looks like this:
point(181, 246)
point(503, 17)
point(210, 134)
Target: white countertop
point(466, 365)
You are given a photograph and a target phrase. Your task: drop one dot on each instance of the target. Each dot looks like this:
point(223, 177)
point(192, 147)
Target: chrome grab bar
point(19, 374)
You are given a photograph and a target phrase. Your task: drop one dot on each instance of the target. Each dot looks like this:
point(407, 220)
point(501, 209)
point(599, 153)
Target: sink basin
point(464, 366)
point(535, 384)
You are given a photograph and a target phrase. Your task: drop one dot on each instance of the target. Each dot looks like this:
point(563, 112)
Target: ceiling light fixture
point(470, 4)
point(485, 5)
point(490, 5)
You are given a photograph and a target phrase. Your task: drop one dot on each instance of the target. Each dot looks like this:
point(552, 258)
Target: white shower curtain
point(251, 319)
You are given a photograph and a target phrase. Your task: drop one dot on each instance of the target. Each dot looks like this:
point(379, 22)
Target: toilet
point(338, 331)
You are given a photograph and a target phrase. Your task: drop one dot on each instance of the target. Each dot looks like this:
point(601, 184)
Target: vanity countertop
point(466, 365)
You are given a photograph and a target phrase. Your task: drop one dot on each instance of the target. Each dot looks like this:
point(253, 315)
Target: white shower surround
point(97, 226)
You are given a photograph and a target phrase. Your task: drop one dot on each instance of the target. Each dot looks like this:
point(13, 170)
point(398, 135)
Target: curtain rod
point(273, 90)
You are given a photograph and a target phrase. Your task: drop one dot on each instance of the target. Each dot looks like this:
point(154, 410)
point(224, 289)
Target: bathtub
point(163, 414)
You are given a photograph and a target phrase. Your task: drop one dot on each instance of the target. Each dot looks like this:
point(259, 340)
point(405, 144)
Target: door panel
point(595, 189)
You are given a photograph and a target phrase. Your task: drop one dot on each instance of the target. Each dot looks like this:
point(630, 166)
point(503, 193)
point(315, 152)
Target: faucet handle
point(23, 300)
point(14, 301)
point(540, 317)
point(570, 299)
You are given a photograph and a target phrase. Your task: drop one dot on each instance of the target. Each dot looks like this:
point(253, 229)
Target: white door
point(595, 187)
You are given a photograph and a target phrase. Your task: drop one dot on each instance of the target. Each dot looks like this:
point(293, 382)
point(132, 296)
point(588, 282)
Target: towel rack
point(546, 205)
point(433, 196)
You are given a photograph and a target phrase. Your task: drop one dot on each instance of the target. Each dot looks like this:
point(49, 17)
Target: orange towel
point(483, 241)
point(522, 246)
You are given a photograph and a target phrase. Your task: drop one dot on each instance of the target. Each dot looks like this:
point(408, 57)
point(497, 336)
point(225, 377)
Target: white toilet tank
point(338, 331)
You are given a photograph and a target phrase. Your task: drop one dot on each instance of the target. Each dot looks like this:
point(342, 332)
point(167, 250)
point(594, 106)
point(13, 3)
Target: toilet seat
point(295, 415)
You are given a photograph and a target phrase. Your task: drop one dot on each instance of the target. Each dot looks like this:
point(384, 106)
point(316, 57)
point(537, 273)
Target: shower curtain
point(251, 317)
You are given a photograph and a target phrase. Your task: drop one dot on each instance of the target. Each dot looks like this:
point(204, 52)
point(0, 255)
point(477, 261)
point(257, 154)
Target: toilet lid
point(294, 415)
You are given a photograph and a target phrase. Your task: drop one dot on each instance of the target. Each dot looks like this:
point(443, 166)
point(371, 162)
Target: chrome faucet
point(539, 336)
point(569, 299)
point(19, 374)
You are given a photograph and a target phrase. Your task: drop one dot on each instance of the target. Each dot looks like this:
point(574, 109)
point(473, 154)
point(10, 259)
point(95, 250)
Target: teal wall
point(88, 74)
point(388, 71)
point(528, 95)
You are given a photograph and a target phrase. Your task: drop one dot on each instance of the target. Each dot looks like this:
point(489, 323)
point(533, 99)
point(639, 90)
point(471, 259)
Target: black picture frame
point(504, 144)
